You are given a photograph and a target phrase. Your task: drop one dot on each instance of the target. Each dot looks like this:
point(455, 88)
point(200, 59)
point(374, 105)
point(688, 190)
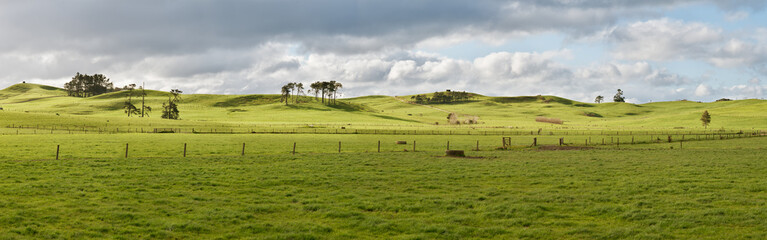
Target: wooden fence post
point(535, 142)
point(448, 145)
point(243, 149)
point(126, 150)
point(339, 146)
point(184, 149)
point(294, 148)
point(413, 145)
point(57, 152)
point(379, 145)
point(477, 145)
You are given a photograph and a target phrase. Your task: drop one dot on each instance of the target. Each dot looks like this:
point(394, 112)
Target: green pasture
point(713, 191)
point(30, 104)
point(94, 146)
point(615, 175)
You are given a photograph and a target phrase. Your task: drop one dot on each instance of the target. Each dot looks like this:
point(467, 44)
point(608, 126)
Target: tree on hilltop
point(145, 109)
point(83, 85)
point(299, 90)
point(315, 88)
point(130, 109)
point(619, 96)
point(285, 94)
point(599, 99)
point(323, 89)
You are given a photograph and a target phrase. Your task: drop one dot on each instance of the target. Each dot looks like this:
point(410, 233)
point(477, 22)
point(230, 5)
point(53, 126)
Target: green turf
point(519, 112)
point(625, 180)
point(699, 193)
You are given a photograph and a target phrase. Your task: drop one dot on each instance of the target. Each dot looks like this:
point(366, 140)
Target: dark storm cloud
point(171, 27)
point(174, 27)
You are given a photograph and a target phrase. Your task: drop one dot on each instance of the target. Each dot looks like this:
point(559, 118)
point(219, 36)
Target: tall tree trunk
point(143, 94)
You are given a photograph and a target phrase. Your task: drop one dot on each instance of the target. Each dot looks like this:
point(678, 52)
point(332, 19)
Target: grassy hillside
point(42, 103)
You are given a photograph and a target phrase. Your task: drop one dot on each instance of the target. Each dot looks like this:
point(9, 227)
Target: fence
point(37, 129)
point(151, 150)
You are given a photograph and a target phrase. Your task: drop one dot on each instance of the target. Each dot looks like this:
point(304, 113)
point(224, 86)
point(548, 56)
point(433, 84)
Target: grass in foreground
point(649, 194)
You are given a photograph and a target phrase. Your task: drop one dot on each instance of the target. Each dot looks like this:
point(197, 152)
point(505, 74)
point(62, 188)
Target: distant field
point(621, 177)
point(28, 104)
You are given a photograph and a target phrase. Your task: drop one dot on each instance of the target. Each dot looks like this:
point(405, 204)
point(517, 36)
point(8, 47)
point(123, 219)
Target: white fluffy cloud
point(663, 39)
point(668, 40)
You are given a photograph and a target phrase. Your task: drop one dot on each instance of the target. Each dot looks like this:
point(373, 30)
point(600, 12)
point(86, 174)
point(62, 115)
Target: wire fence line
point(32, 129)
point(149, 150)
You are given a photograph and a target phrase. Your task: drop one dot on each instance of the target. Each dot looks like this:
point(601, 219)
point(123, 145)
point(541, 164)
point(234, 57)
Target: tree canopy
point(325, 89)
point(443, 97)
point(83, 85)
point(170, 109)
point(619, 96)
point(705, 119)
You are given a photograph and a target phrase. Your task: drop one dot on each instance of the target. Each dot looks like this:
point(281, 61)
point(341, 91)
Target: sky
point(654, 50)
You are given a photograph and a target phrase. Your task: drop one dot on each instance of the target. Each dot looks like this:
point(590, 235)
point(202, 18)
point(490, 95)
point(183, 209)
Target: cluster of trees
point(443, 97)
point(617, 98)
point(131, 109)
point(326, 89)
point(170, 109)
point(321, 90)
point(287, 91)
point(83, 85)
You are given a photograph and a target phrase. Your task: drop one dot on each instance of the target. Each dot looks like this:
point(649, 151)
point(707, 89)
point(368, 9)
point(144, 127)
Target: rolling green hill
point(32, 102)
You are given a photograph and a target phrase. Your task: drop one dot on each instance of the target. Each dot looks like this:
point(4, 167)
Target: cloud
point(239, 46)
point(736, 16)
point(663, 39)
point(670, 40)
point(702, 90)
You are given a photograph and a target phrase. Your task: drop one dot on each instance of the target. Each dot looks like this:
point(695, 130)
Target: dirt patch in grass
point(467, 157)
point(558, 148)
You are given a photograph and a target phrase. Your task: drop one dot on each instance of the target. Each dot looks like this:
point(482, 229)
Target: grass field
point(622, 178)
point(706, 193)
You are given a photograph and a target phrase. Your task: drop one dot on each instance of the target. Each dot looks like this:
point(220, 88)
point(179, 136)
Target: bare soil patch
point(560, 148)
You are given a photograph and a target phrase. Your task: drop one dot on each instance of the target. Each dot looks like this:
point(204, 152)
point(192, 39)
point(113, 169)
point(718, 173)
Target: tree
point(285, 91)
point(315, 86)
point(705, 118)
point(599, 99)
point(336, 86)
point(144, 108)
point(291, 87)
point(324, 87)
point(130, 109)
point(299, 89)
point(619, 97)
point(170, 109)
point(83, 85)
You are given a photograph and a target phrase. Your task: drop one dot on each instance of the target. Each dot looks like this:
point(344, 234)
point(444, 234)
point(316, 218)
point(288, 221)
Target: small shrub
point(592, 114)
